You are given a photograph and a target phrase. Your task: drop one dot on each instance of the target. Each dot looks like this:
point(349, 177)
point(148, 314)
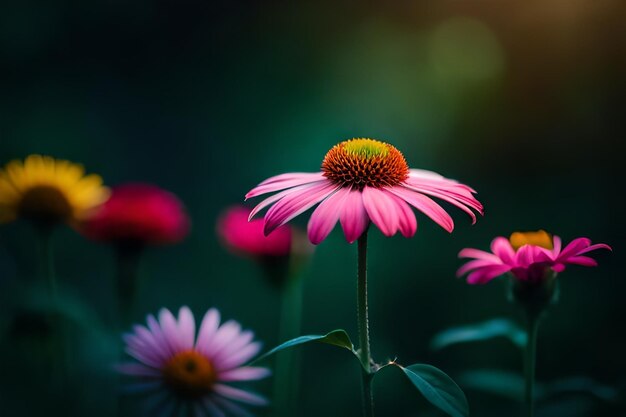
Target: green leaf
point(337, 337)
point(438, 388)
point(486, 330)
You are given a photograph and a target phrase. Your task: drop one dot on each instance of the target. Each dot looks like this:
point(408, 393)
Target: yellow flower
point(48, 191)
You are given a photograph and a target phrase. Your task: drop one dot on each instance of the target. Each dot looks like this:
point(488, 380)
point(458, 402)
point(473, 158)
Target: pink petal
point(595, 247)
point(157, 333)
point(478, 254)
point(223, 337)
point(423, 173)
point(326, 215)
point(556, 246)
point(475, 264)
point(297, 203)
point(484, 275)
point(239, 395)
point(502, 248)
point(208, 328)
point(406, 219)
point(381, 209)
point(170, 330)
point(246, 373)
point(271, 200)
point(237, 343)
point(186, 328)
point(426, 206)
point(574, 247)
point(581, 260)
point(353, 217)
point(239, 356)
point(288, 181)
point(449, 198)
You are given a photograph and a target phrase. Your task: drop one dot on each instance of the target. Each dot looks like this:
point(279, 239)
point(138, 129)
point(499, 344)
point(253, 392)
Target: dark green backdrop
point(524, 101)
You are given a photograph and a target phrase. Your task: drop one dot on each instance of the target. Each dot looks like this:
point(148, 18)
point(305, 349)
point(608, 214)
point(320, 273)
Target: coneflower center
point(539, 238)
point(44, 204)
point(190, 374)
point(365, 162)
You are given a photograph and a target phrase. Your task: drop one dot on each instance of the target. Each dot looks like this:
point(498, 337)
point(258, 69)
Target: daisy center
point(359, 163)
point(539, 238)
point(44, 204)
point(190, 374)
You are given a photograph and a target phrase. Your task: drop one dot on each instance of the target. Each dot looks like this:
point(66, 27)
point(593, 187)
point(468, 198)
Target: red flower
point(139, 213)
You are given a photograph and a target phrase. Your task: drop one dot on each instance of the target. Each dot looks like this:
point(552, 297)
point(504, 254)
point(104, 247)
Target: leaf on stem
point(337, 337)
point(438, 388)
point(486, 330)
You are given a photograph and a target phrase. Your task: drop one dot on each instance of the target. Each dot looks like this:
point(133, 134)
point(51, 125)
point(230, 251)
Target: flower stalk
point(128, 260)
point(363, 324)
point(530, 356)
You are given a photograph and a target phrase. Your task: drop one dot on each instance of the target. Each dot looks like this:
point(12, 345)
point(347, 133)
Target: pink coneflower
point(193, 371)
point(247, 238)
point(139, 213)
point(527, 256)
point(362, 180)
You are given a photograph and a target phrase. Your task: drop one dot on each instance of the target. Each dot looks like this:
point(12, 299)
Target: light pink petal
point(297, 203)
point(381, 209)
point(186, 328)
point(502, 248)
point(475, 264)
point(147, 351)
point(406, 219)
point(239, 395)
point(237, 358)
point(479, 254)
point(147, 339)
point(228, 332)
point(353, 217)
point(157, 333)
point(449, 198)
point(288, 181)
point(237, 343)
point(423, 173)
point(208, 328)
point(246, 373)
point(426, 206)
point(144, 356)
point(460, 192)
point(484, 275)
point(170, 330)
point(581, 260)
point(326, 215)
point(136, 369)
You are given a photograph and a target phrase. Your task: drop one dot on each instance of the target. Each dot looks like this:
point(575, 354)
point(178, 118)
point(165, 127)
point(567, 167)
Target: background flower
point(140, 213)
point(528, 256)
point(48, 191)
point(195, 370)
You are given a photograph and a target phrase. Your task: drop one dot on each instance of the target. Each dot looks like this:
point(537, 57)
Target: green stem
point(47, 258)
point(530, 357)
point(287, 363)
point(364, 337)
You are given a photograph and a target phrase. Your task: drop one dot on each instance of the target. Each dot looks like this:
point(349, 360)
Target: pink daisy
point(192, 371)
point(362, 180)
point(527, 256)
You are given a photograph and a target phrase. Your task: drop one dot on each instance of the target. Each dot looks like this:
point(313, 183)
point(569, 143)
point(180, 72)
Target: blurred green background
point(522, 100)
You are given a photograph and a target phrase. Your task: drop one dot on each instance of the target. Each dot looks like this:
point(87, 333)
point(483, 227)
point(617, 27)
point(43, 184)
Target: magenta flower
point(362, 180)
point(247, 238)
point(194, 370)
point(527, 256)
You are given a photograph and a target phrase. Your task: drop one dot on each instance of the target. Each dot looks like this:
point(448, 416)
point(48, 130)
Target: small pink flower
point(139, 213)
point(527, 256)
point(362, 180)
point(194, 369)
point(247, 238)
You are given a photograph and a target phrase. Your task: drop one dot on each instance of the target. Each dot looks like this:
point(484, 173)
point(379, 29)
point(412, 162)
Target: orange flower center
point(365, 162)
point(539, 238)
point(189, 374)
point(44, 204)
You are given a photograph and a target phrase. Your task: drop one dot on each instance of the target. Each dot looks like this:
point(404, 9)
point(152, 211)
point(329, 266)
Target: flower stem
point(530, 356)
point(287, 363)
point(47, 262)
point(364, 338)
